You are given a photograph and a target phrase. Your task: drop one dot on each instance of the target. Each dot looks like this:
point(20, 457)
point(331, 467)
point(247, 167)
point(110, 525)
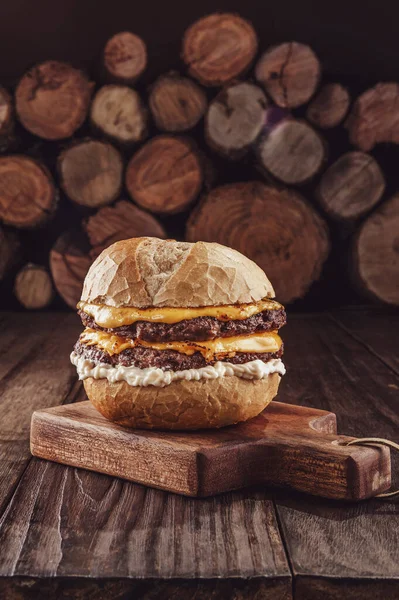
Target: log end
point(218, 48)
point(165, 175)
point(52, 100)
point(33, 287)
point(125, 57)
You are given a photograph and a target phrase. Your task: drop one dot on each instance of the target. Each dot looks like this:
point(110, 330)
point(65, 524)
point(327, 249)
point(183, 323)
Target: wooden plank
point(35, 373)
point(63, 588)
point(65, 522)
point(377, 329)
point(287, 445)
point(328, 541)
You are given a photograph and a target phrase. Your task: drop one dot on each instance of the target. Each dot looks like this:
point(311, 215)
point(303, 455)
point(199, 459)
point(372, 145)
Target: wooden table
point(68, 533)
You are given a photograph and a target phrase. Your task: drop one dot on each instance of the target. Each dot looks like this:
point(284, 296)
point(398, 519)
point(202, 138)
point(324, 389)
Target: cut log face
point(177, 103)
point(28, 197)
point(375, 254)
point(235, 119)
point(291, 151)
point(69, 263)
point(276, 228)
point(125, 57)
point(374, 117)
point(290, 73)
point(165, 175)
point(122, 221)
point(117, 111)
point(52, 100)
point(6, 120)
point(91, 173)
point(351, 186)
point(10, 249)
point(33, 287)
point(218, 48)
point(329, 107)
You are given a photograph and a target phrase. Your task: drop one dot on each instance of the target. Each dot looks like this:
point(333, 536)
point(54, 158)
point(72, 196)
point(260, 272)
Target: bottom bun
point(203, 404)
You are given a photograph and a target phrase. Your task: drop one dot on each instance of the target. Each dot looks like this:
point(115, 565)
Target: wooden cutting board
point(285, 445)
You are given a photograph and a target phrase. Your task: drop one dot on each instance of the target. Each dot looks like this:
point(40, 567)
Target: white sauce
point(255, 369)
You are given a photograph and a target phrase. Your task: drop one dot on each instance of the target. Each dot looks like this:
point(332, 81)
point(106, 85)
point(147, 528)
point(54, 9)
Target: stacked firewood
point(150, 162)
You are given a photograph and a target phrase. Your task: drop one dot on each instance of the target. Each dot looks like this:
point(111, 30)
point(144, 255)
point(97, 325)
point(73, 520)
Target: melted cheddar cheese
point(111, 317)
point(256, 342)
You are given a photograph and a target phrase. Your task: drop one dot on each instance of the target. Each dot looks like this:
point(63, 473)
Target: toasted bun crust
point(182, 405)
point(145, 272)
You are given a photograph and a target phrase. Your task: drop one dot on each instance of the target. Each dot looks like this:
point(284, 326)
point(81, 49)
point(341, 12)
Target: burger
point(178, 335)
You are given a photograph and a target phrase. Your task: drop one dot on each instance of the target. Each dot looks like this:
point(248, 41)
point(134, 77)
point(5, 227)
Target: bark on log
point(290, 73)
point(124, 58)
point(165, 175)
point(351, 186)
point(91, 172)
point(329, 107)
point(375, 254)
point(290, 150)
point(118, 112)
point(52, 100)
point(374, 117)
point(6, 120)
point(33, 287)
point(276, 228)
point(177, 104)
point(218, 48)
point(122, 221)
point(28, 197)
point(10, 251)
point(69, 263)
point(235, 119)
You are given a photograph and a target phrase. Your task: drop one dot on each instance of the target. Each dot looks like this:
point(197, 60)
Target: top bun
point(146, 272)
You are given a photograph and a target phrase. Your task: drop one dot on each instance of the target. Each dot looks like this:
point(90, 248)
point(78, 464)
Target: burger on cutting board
point(178, 335)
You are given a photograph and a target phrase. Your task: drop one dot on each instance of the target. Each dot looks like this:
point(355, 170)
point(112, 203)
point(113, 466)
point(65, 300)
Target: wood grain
point(34, 373)
point(64, 588)
point(68, 533)
point(369, 327)
point(64, 521)
point(285, 445)
point(328, 368)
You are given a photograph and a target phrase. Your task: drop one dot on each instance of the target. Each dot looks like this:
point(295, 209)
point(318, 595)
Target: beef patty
point(168, 360)
point(198, 329)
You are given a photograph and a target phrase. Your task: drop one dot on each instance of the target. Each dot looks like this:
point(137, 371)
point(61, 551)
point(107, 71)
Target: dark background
point(357, 43)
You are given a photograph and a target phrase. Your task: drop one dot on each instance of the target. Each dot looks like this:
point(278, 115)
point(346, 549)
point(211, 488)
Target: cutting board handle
point(325, 465)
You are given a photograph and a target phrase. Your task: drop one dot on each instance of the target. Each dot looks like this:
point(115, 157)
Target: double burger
point(178, 335)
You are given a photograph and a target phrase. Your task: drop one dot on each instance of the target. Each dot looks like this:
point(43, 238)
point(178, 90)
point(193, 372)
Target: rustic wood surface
point(69, 533)
point(285, 445)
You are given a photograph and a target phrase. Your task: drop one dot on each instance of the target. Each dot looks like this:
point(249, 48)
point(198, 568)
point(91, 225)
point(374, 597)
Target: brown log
point(218, 48)
point(10, 250)
point(375, 254)
point(277, 228)
point(33, 287)
point(290, 73)
point(118, 112)
point(165, 175)
point(290, 150)
point(122, 221)
point(28, 197)
point(235, 119)
point(52, 100)
point(91, 172)
point(374, 117)
point(125, 58)
point(351, 186)
point(329, 107)
point(177, 103)
point(6, 120)
point(69, 263)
